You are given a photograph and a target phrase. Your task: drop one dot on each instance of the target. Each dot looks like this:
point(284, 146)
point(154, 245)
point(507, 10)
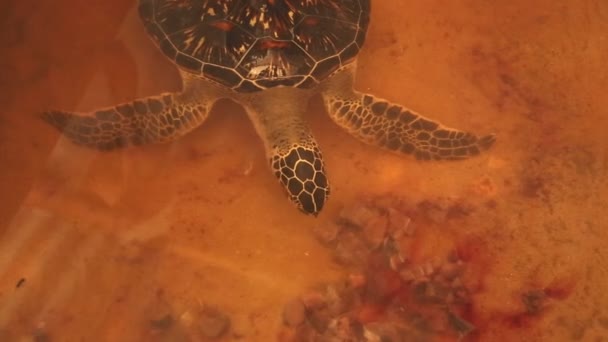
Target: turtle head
point(300, 170)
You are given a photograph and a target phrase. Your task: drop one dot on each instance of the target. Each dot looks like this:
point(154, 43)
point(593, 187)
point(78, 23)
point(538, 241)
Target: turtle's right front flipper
point(148, 120)
point(379, 122)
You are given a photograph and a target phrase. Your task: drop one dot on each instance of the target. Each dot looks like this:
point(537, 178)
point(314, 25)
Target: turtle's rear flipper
point(148, 120)
point(396, 128)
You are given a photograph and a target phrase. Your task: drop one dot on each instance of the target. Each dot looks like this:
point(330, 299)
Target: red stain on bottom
point(428, 281)
point(369, 313)
point(386, 289)
point(560, 288)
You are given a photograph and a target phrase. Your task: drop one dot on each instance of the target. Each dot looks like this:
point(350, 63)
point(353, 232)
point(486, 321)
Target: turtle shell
point(251, 45)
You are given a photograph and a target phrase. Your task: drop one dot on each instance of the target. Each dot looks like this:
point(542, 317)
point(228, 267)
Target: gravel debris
point(386, 296)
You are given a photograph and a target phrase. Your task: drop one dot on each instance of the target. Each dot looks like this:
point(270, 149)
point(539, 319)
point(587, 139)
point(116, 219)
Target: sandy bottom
point(103, 246)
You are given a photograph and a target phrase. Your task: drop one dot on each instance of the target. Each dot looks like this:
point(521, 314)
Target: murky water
point(134, 245)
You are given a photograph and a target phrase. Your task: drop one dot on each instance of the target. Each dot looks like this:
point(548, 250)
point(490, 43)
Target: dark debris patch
point(534, 301)
point(200, 323)
point(20, 283)
point(163, 323)
point(40, 335)
point(213, 323)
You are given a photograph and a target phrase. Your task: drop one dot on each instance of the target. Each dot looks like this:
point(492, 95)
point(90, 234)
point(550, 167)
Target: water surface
point(95, 246)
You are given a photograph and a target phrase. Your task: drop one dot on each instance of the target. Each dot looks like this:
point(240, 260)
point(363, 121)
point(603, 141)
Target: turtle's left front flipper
point(148, 120)
point(378, 122)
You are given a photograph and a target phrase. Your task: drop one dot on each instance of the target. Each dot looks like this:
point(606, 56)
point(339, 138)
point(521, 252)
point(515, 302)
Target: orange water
point(104, 242)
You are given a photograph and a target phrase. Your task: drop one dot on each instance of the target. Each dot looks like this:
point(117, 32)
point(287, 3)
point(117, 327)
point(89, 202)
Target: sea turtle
point(271, 56)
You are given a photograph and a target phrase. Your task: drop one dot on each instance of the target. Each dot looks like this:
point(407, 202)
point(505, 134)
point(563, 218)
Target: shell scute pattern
point(253, 45)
